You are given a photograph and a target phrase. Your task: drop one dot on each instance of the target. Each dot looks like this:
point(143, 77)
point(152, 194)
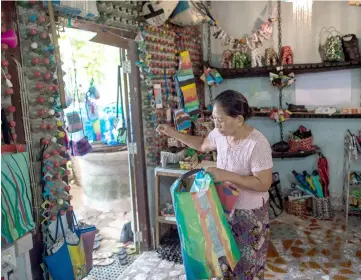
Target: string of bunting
point(247, 42)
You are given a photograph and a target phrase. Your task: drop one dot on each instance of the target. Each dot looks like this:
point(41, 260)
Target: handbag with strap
point(87, 234)
point(203, 227)
point(68, 262)
point(331, 50)
point(351, 48)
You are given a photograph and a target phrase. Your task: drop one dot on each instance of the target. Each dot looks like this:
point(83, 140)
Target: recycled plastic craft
point(211, 77)
point(280, 80)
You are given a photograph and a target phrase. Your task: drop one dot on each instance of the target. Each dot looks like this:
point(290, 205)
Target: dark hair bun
point(250, 113)
point(234, 104)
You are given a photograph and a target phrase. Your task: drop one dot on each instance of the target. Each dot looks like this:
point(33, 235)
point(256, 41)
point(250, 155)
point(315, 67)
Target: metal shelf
point(311, 115)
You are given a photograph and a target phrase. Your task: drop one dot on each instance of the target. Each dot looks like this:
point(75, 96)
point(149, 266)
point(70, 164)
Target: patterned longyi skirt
point(251, 231)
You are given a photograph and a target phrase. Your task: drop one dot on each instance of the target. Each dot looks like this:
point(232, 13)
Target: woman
point(245, 160)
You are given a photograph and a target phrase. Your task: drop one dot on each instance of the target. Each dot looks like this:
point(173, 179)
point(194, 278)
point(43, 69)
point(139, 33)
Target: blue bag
point(59, 263)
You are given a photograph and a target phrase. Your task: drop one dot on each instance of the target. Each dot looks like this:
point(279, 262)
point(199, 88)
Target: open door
point(130, 78)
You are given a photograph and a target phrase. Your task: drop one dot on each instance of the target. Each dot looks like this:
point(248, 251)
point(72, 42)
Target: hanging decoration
point(156, 13)
point(280, 115)
point(248, 42)
point(211, 77)
point(280, 80)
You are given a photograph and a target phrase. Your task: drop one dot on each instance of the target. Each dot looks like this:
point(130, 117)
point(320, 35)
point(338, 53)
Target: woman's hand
point(217, 174)
point(164, 129)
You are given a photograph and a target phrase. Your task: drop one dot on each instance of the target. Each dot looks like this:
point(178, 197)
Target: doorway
point(100, 106)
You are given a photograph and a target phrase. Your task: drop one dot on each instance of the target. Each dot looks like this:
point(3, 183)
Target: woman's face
point(226, 125)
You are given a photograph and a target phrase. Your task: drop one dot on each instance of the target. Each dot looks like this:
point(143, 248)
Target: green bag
point(16, 207)
point(203, 228)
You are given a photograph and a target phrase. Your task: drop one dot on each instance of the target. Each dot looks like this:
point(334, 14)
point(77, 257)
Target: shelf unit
point(351, 153)
point(300, 154)
point(312, 115)
point(295, 68)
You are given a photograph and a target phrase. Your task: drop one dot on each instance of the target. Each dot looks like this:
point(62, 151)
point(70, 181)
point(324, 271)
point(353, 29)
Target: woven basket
point(321, 208)
point(301, 145)
point(297, 207)
point(351, 48)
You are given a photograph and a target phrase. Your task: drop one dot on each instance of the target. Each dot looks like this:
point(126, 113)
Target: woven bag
point(331, 50)
point(351, 48)
point(297, 207)
point(301, 145)
point(321, 208)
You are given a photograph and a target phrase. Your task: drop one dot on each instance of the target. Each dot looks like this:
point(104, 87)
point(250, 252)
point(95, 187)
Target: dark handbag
point(275, 198)
point(351, 48)
point(281, 147)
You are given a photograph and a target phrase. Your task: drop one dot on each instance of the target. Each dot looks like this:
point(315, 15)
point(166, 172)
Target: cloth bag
point(67, 263)
point(16, 205)
point(331, 50)
point(203, 228)
point(87, 234)
point(81, 147)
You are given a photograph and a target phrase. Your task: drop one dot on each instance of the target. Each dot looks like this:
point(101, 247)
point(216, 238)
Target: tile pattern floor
point(111, 272)
point(301, 248)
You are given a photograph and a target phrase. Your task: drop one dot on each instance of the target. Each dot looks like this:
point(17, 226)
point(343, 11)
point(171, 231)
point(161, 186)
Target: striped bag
point(204, 232)
point(16, 206)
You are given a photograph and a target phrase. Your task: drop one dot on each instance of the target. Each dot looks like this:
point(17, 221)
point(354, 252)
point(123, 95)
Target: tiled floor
point(301, 248)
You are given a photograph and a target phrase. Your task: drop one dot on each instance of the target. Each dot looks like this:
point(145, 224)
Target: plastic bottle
point(37, 112)
point(57, 160)
point(41, 100)
point(33, 73)
point(38, 125)
point(32, 59)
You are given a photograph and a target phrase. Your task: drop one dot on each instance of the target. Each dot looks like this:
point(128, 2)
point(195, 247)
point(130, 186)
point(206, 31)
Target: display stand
point(351, 154)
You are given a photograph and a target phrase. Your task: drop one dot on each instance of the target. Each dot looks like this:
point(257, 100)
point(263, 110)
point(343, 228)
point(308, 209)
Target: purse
point(87, 234)
point(68, 262)
point(331, 50)
point(351, 48)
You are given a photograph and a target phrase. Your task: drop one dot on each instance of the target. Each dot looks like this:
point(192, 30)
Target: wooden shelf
point(301, 154)
point(295, 68)
point(166, 220)
point(311, 115)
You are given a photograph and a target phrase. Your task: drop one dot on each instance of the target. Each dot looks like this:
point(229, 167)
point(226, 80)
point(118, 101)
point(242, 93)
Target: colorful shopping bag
point(87, 234)
point(228, 195)
point(16, 205)
point(68, 263)
point(203, 228)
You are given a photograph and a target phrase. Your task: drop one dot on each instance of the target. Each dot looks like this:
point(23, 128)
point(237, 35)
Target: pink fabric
point(251, 155)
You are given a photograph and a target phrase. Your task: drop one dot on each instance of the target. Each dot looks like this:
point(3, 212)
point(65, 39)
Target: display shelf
point(300, 154)
point(311, 115)
point(295, 68)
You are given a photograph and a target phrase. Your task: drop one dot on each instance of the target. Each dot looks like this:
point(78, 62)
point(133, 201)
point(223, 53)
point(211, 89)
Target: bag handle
point(59, 221)
point(353, 37)
point(323, 31)
point(333, 29)
point(189, 174)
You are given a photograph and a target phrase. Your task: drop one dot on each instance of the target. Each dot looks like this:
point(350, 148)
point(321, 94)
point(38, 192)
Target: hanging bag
point(82, 146)
point(203, 228)
point(68, 262)
point(351, 48)
point(331, 50)
point(87, 234)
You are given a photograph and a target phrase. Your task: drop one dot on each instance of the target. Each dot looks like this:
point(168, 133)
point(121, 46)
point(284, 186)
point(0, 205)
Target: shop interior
point(90, 190)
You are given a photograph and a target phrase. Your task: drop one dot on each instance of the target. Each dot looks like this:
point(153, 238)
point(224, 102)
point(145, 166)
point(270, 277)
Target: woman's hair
point(234, 104)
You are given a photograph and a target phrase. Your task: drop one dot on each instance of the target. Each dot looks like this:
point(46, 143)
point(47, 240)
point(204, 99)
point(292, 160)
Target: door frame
point(125, 39)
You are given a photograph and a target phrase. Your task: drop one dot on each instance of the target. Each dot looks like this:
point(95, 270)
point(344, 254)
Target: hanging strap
point(166, 83)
